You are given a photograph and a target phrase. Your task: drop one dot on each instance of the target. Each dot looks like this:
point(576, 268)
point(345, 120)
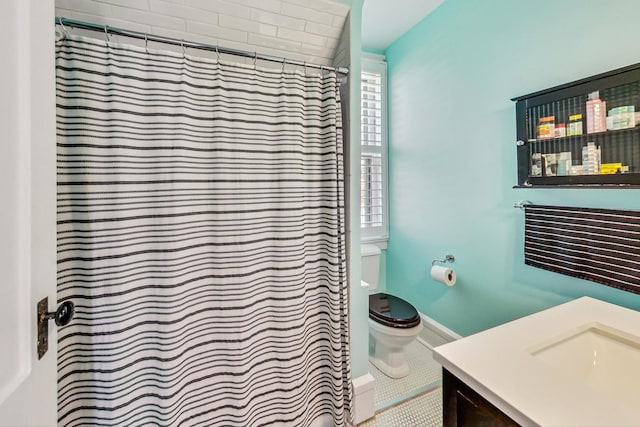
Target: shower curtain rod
point(65, 22)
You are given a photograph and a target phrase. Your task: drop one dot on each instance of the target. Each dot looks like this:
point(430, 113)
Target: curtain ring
point(106, 33)
point(64, 30)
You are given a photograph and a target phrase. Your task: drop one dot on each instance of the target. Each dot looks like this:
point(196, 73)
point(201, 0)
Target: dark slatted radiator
point(601, 245)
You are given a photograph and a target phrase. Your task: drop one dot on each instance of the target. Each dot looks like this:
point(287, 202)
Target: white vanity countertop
point(498, 363)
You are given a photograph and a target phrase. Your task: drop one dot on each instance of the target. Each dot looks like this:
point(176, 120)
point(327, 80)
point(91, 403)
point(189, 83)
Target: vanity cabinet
point(535, 371)
point(463, 406)
point(581, 134)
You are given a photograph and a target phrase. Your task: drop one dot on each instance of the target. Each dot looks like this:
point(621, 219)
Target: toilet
point(393, 322)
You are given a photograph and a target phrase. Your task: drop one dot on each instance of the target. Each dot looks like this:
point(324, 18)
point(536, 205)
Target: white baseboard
point(364, 400)
point(434, 334)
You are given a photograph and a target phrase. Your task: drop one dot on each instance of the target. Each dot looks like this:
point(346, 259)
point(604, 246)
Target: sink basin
point(603, 358)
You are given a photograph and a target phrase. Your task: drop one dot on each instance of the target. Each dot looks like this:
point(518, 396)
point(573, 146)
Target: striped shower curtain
point(201, 236)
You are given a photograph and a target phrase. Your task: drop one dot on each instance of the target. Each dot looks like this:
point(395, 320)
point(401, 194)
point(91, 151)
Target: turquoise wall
point(453, 155)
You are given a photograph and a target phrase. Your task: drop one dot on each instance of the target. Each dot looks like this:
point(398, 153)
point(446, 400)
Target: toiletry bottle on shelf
point(591, 159)
point(575, 125)
point(596, 113)
point(546, 127)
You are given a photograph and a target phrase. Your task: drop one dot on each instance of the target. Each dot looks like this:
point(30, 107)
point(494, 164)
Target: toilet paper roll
point(443, 275)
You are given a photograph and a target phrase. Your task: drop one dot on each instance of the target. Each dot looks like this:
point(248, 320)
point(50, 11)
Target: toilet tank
point(370, 265)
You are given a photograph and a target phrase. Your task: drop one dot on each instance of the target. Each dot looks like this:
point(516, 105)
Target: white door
point(27, 210)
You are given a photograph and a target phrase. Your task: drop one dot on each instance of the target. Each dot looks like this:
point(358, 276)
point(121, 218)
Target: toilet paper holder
point(447, 258)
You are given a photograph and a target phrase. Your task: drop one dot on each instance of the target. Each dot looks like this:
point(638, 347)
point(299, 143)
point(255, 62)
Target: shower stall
point(201, 237)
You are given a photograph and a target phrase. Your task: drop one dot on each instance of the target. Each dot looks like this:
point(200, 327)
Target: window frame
point(374, 63)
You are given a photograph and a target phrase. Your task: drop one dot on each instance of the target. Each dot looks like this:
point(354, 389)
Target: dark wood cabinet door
point(464, 407)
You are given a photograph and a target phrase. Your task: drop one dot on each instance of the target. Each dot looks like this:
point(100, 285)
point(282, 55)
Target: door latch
point(62, 317)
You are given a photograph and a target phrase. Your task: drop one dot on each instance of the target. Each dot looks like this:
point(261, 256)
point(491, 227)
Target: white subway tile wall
point(275, 18)
point(302, 30)
point(306, 13)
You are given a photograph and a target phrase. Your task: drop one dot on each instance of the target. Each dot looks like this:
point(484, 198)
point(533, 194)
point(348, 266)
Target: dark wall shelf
point(573, 186)
point(561, 142)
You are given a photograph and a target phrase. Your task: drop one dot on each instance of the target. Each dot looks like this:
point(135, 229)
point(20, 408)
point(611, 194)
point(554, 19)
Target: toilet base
point(387, 348)
point(398, 371)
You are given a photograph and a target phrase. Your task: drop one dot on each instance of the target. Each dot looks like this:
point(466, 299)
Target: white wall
point(348, 54)
point(302, 30)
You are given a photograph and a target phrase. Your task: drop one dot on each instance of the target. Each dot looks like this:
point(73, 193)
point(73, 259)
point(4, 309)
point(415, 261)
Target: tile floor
point(422, 411)
point(413, 401)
